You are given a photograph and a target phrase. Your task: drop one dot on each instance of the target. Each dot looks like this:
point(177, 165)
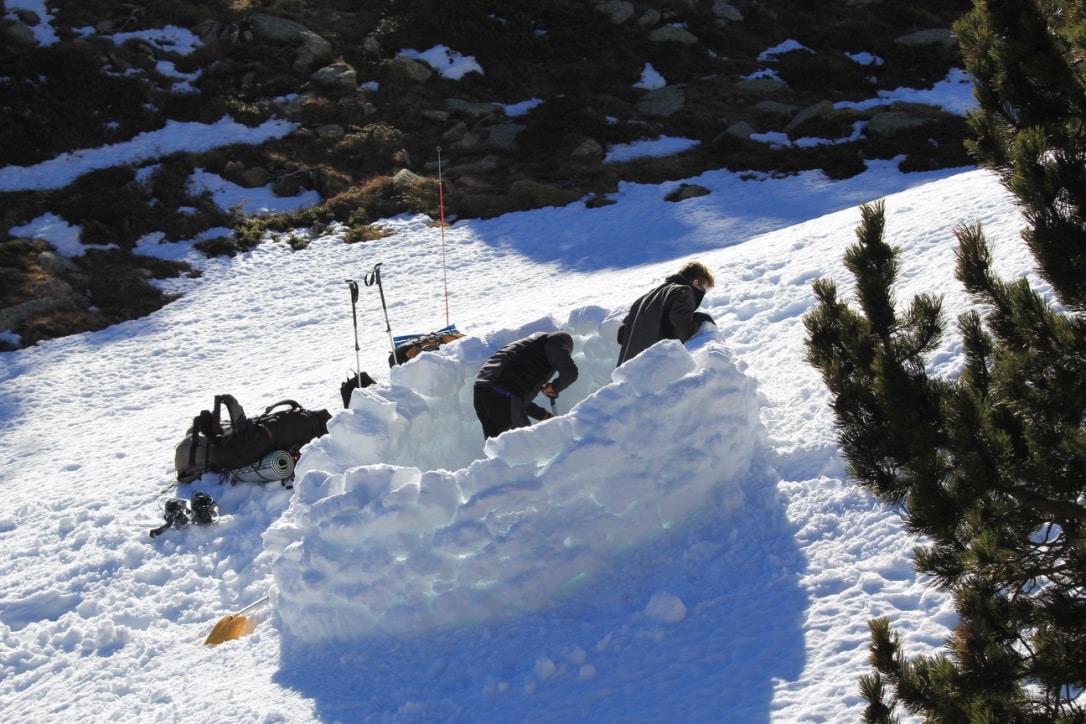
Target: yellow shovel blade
point(229, 628)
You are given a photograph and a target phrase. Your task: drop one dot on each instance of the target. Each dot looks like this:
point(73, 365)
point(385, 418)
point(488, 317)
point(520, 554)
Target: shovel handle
point(255, 605)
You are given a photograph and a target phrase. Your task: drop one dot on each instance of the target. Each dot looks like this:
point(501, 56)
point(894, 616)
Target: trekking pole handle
point(354, 316)
point(374, 277)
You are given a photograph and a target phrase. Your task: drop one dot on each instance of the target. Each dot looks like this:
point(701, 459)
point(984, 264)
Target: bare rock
point(331, 130)
point(740, 129)
point(435, 115)
point(312, 49)
point(662, 102)
point(619, 11)
point(455, 133)
point(762, 86)
point(51, 295)
point(673, 34)
point(338, 76)
point(473, 110)
point(934, 36)
point(53, 262)
point(18, 32)
point(253, 178)
point(687, 191)
point(503, 136)
point(650, 18)
point(776, 108)
point(411, 70)
point(589, 149)
point(726, 11)
point(404, 177)
point(330, 183)
point(888, 123)
point(816, 110)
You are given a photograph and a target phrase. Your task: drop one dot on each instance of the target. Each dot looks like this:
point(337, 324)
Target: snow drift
point(404, 520)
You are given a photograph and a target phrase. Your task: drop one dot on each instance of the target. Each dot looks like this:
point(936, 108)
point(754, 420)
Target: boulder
point(409, 69)
point(687, 191)
point(472, 109)
point(888, 123)
point(662, 102)
point(338, 76)
point(740, 129)
point(311, 48)
point(934, 36)
point(816, 110)
point(726, 11)
point(503, 136)
point(673, 34)
point(618, 11)
point(589, 149)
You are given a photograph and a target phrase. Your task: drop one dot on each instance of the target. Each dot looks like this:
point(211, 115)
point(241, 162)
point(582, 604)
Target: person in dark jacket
point(667, 312)
point(506, 386)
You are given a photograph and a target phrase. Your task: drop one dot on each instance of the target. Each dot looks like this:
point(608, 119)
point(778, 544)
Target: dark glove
point(549, 391)
point(700, 317)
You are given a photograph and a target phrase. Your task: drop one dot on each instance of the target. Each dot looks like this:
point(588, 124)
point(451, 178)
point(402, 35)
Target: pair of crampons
point(179, 513)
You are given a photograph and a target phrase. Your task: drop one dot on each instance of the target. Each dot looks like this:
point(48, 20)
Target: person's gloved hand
point(549, 391)
point(546, 416)
point(700, 317)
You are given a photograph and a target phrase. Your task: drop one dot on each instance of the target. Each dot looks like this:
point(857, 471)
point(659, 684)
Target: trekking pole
point(354, 315)
point(374, 277)
point(441, 216)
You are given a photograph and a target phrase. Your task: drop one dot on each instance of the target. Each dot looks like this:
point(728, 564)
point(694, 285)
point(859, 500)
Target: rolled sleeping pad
point(277, 465)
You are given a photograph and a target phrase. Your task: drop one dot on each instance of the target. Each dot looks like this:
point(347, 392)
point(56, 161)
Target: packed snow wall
point(403, 520)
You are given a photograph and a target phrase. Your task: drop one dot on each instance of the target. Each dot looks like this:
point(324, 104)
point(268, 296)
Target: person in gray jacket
point(667, 312)
point(506, 386)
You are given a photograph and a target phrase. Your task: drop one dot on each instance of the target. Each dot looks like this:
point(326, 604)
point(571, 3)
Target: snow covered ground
point(453, 580)
point(680, 544)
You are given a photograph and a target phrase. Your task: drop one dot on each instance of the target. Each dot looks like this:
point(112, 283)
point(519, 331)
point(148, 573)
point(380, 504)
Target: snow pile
point(404, 521)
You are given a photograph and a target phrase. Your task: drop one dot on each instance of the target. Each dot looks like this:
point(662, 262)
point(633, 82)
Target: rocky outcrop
point(310, 49)
point(366, 107)
point(48, 296)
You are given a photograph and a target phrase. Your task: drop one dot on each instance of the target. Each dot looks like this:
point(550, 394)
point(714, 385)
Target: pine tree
point(988, 469)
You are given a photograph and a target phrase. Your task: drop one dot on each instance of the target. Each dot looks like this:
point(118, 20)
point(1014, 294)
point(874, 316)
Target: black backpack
point(354, 380)
point(212, 445)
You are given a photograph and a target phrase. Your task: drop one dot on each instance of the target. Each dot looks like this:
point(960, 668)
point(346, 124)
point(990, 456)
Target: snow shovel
point(235, 625)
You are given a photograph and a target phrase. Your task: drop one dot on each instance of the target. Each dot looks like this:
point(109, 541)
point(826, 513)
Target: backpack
point(354, 381)
point(213, 445)
point(409, 346)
